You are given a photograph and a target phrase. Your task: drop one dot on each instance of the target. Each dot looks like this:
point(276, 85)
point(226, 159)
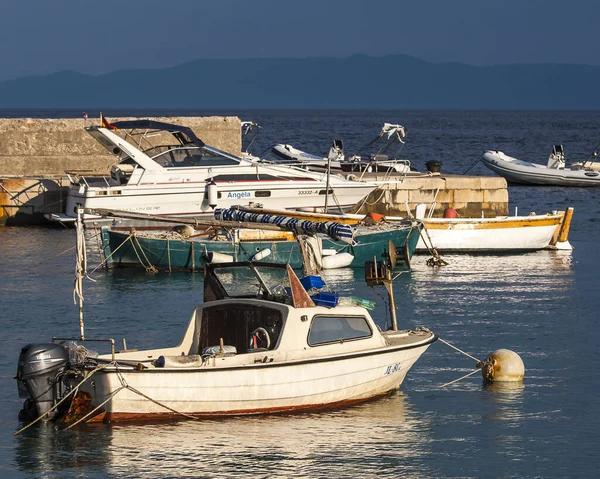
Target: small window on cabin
point(324, 192)
point(262, 194)
point(332, 329)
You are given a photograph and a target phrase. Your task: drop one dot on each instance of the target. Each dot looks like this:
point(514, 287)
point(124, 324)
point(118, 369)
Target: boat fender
point(261, 254)
point(187, 361)
point(328, 252)
point(503, 365)
point(340, 260)
point(212, 193)
point(450, 213)
point(219, 258)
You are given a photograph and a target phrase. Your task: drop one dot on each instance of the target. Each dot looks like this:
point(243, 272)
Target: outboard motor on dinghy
point(37, 376)
point(557, 157)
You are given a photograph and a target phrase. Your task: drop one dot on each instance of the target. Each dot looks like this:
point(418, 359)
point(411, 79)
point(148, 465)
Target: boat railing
point(81, 177)
point(387, 174)
point(98, 340)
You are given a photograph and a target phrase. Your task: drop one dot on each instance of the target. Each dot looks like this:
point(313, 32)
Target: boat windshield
point(268, 281)
point(253, 281)
point(170, 157)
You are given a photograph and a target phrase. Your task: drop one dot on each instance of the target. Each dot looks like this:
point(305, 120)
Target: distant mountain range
point(355, 82)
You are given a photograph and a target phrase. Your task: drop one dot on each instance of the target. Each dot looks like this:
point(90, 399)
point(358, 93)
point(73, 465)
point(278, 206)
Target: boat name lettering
point(308, 192)
point(238, 195)
point(394, 368)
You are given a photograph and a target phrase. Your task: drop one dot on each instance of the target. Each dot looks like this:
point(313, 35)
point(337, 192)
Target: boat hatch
point(247, 327)
point(107, 143)
point(268, 281)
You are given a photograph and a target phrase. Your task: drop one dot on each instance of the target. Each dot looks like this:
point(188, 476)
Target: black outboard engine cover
point(39, 365)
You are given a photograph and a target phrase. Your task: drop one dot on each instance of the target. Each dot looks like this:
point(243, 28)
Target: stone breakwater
point(32, 147)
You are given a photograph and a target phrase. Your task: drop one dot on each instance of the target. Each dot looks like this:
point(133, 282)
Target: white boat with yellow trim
point(497, 235)
point(500, 234)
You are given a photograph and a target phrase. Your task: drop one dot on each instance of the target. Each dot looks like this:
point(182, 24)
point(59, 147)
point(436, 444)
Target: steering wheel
point(259, 336)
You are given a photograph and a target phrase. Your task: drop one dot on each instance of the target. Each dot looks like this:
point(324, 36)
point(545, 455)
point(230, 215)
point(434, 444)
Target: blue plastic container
point(310, 282)
point(326, 299)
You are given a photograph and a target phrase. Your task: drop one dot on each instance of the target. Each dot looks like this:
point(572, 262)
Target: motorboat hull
point(190, 201)
point(254, 389)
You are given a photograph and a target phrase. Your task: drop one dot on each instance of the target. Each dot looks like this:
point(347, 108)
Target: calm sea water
point(541, 305)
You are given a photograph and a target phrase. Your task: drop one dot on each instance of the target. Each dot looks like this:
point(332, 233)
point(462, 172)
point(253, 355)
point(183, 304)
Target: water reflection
point(514, 283)
point(379, 438)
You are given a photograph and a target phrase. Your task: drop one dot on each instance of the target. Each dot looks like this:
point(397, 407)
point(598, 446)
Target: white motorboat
point(164, 169)
point(554, 173)
point(258, 344)
point(361, 162)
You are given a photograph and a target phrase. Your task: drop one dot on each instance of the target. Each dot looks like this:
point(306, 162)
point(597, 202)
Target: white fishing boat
point(500, 234)
point(258, 344)
point(164, 169)
point(554, 173)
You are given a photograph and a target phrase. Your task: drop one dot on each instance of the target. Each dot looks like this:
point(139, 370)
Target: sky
point(39, 37)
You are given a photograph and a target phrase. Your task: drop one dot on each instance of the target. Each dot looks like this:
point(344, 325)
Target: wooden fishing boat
point(168, 250)
point(500, 234)
point(257, 344)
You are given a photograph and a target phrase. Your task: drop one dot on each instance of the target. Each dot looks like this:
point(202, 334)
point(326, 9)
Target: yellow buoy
point(503, 365)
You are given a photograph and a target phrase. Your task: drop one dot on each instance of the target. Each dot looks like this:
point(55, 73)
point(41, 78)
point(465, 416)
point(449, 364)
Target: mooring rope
point(110, 396)
point(169, 253)
point(470, 167)
point(124, 384)
point(463, 377)
point(110, 255)
point(480, 364)
point(459, 350)
point(435, 259)
point(150, 268)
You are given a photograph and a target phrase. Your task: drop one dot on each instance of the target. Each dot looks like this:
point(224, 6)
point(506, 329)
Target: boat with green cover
point(169, 250)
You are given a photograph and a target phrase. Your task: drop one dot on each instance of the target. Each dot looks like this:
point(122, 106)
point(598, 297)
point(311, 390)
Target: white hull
point(527, 173)
point(182, 200)
point(518, 233)
point(255, 389)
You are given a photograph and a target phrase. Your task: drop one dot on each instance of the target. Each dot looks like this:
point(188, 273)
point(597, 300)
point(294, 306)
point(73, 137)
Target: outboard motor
point(556, 159)
point(38, 370)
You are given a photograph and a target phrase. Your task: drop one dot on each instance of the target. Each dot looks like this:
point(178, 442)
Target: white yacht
point(165, 169)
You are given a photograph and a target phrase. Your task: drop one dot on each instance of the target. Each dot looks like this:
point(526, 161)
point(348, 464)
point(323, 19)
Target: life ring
point(259, 334)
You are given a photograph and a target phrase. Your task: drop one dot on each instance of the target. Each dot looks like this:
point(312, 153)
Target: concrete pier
point(470, 196)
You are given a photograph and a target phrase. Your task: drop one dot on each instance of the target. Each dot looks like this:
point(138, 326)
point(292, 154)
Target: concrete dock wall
point(470, 196)
point(48, 147)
